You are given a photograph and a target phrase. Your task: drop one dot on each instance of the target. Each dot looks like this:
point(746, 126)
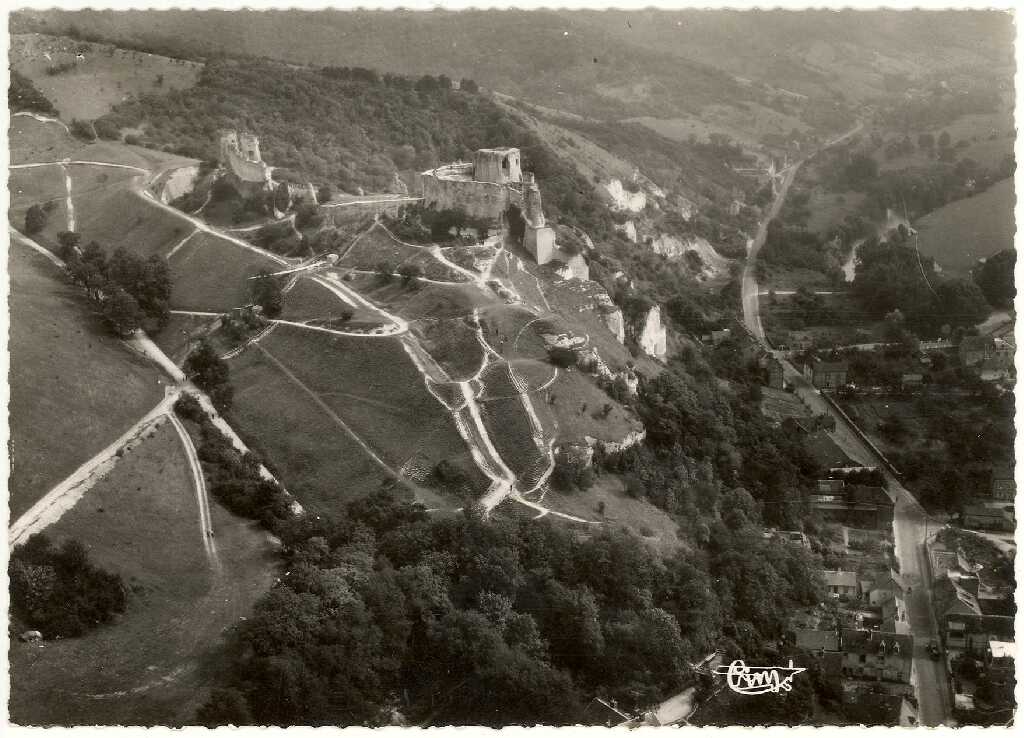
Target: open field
point(177, 336)
point(155, 662)
point(115, 217)
point(32, 141)
point(655, 526)
point(747, 127)
point(369, 385)
point(958, 234)
point(38, 186)
point(829, 209)
point(453, 344)
point(433, 300)
point(212, 274)
point(63, 410)
point(315, 459)
point(374, 386)
point(102, 75)
point(308, 300)
point(577, 404)
point(376, 246)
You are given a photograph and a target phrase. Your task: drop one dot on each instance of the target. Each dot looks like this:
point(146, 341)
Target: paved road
point(910, 521)
point(910, 526)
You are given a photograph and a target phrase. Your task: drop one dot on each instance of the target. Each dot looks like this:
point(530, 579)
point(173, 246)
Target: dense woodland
point(317, 123)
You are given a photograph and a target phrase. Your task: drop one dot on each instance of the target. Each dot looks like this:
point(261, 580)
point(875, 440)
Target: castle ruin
point(243, 165)
point(493, 187)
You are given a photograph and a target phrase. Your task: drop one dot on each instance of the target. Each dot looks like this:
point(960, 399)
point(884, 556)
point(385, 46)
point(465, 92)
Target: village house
point(990, 516)
point(853, 504)
point(1003, 486)
point(776, 374)
point(842, 583)
point(887, 593)
point(826, 375)
point(877, 656)
point(863, 707)
point(968, 621)
point(990, 358)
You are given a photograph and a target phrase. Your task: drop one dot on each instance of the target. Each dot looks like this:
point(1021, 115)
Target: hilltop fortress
point(240, 157)
point(494, 187)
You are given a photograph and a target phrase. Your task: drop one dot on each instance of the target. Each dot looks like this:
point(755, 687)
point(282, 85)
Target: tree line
point(130, 292)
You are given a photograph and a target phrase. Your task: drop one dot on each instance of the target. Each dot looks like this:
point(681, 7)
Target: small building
point(878, 656)
point(776, 374)
point(992, 516)
point(1003, 487)
point(863, 707)
point(841, 583)
point(993, 352)
point(853, 504)
point(817, 642)
point(911, 381)
point(826, 375)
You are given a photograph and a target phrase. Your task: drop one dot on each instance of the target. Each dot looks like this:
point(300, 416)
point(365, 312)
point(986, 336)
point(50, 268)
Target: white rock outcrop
point(650, 334)
point(628, 229)
point(611, 314)
point(623, 199)
point(671, 247)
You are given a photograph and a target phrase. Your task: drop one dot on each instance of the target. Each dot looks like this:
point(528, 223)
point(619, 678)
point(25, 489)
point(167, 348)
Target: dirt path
point(202, 496)
point(65, 495)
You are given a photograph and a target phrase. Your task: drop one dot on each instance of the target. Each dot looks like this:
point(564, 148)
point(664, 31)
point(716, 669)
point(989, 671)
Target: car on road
point(933, 650)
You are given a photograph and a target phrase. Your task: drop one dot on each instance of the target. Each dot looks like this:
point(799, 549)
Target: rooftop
point(840, 578)
point(817, 640)
point(876, 642)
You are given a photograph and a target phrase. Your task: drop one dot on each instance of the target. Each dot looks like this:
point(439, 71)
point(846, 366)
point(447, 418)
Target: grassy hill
point(111, 74)
point(153, 664)
point(958, 234)
point(63, 409)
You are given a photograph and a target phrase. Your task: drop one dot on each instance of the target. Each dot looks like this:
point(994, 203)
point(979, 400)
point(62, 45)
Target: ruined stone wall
point(478, 199)
point(540, 244)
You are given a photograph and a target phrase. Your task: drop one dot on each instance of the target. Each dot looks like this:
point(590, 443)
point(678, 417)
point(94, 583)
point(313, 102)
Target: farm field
point(64, 410)
point(211, 274)
point(101, 78)
point(958, 234)
point(155, 662)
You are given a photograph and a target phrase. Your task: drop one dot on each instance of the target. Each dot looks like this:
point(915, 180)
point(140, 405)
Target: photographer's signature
point(758, 679)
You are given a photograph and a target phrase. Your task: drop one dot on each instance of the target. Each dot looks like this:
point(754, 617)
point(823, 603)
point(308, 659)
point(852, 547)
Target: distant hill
point(599, 63)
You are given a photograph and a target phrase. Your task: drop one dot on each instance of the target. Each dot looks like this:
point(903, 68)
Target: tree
point(282, 197)
point(995, 278)
point(69, 244)
point(225, 706)
point(961, 302)
point(384, 271)
point(410, 273)
point(266, 292)
point(324, 193)
point(210, 373)
point(35, 219)
point(122, 311)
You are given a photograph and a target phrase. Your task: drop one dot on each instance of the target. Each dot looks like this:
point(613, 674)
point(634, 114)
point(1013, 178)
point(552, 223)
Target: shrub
point(35, 220)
